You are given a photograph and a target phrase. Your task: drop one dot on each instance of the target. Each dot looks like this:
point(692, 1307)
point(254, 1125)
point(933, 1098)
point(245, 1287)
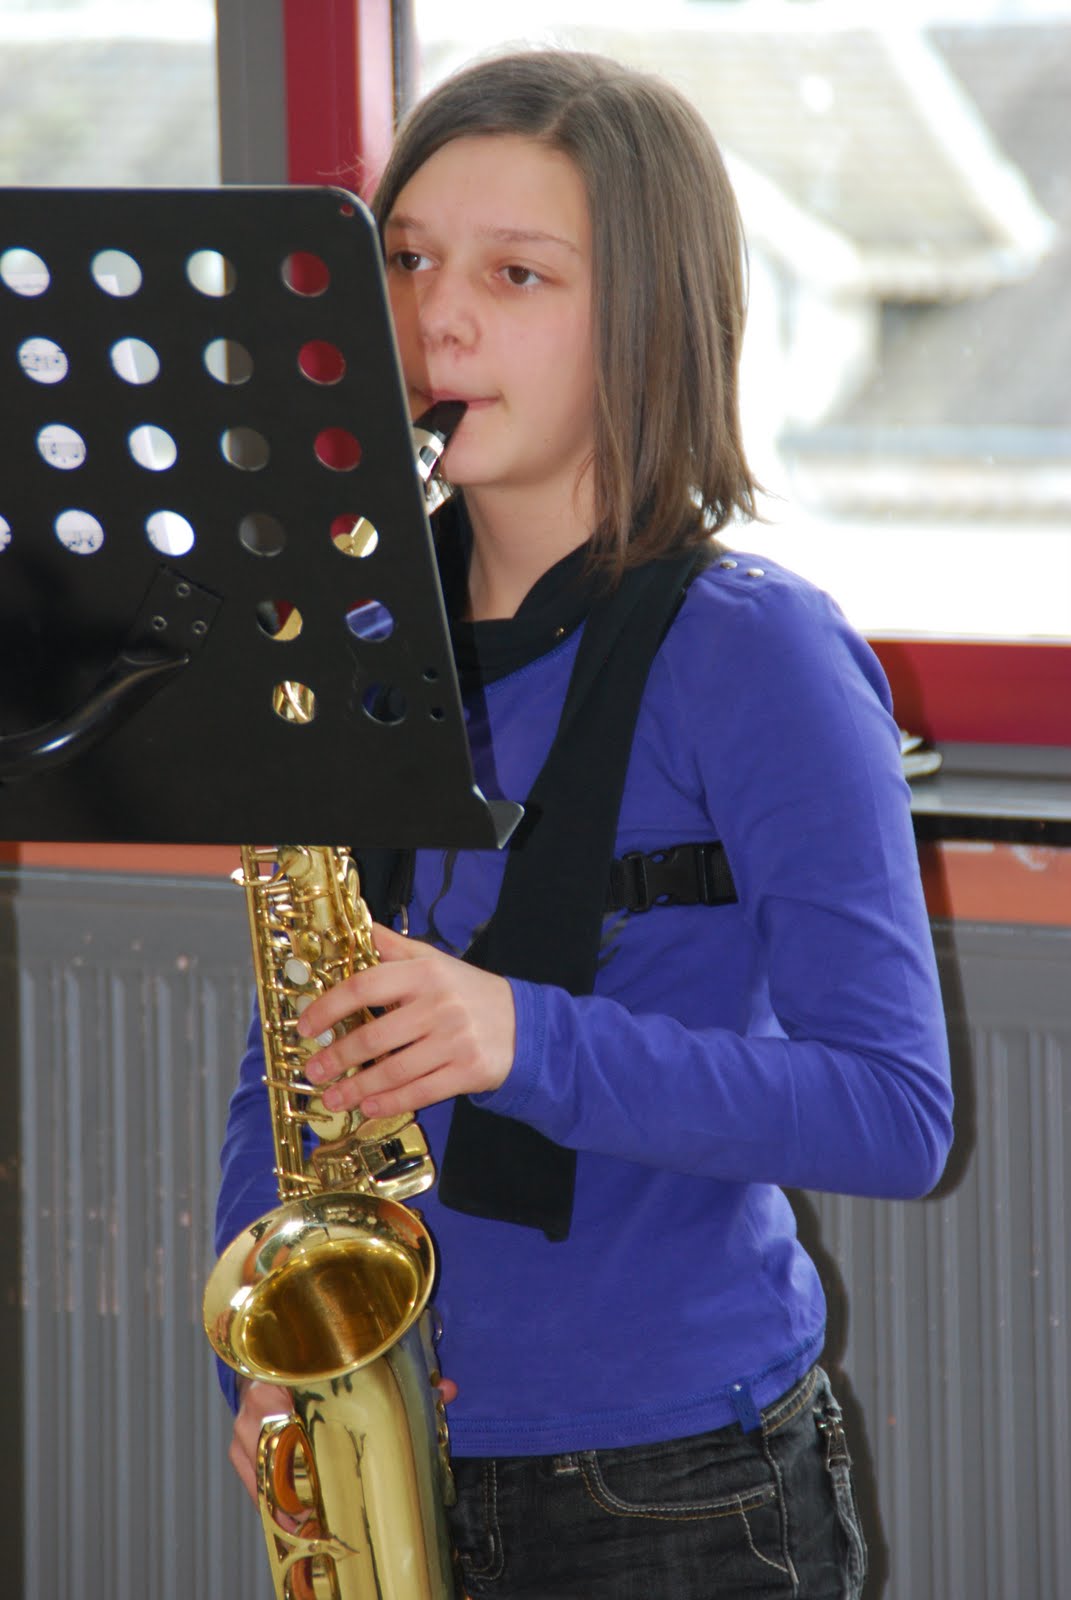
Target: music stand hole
point(384, 703)
point(279, 619)
point(245, 448)
point(354, 536)
point(370, 621)
point(43, 360)
point(117, 273)
point(5, 533)
point(79, 532)
point(261, 534)
point(134, 361)
point(293, 702)
point(338, 449)
point(61, 446)
point(321, 362)
point(210, 273)
point(305, 273)
point(228, 361)
point(170, 533)
point(24, 272)
point(153, 448)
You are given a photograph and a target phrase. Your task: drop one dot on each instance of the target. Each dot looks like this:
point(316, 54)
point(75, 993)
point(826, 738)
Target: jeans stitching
point(493, 1568)
point(607, 1501)
point(786, 1572)
point(786, 1552)
point(773, 1419)
point(848, 1517)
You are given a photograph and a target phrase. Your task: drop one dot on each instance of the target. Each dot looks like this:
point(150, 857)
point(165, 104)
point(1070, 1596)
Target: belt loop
point(743, 1403)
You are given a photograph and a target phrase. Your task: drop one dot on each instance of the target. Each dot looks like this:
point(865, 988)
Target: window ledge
point(1020, 794)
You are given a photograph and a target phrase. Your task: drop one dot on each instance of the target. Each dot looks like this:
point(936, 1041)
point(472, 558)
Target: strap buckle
point(674, 871)
point(638, 890)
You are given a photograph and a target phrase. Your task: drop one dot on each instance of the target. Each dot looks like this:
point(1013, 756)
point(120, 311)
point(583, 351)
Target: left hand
point(450, 1029)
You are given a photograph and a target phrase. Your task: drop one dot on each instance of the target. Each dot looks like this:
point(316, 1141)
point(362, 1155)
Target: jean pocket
point(722, 1496)
point(474, 1524)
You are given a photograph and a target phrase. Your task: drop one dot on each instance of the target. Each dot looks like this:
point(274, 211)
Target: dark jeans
point(726, 1515)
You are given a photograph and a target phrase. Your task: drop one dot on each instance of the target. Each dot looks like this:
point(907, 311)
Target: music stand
point(220, 616)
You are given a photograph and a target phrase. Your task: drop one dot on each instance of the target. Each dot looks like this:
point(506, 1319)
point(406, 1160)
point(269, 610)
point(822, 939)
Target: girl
point(704, 969)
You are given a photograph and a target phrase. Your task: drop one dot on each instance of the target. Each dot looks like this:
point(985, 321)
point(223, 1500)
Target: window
point(902, 176)
point(108, 92)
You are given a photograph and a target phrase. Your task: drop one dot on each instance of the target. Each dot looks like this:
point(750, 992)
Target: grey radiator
point(125, 1003)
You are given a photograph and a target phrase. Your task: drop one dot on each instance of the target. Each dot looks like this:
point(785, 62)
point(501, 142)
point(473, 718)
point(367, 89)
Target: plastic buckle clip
point(639, 893)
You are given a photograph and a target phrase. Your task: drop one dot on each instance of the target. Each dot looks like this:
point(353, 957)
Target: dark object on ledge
point(1012, 794)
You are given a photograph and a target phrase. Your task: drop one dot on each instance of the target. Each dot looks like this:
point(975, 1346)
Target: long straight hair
point(668, 281)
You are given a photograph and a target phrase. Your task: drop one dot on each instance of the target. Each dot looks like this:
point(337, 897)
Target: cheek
point(403, 309)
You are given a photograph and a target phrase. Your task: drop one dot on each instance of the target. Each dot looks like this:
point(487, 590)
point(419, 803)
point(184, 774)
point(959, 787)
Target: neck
point(516, 538)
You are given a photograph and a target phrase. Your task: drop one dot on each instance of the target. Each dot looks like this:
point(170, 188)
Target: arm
point(799, 762)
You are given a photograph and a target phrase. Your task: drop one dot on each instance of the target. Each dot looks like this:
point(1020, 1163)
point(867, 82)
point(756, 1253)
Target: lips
point(474, 402)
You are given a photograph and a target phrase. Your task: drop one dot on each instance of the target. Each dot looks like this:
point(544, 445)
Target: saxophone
point(328, 1294)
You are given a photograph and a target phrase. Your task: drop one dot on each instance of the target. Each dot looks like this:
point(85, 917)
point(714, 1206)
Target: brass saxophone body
point(328, 1294)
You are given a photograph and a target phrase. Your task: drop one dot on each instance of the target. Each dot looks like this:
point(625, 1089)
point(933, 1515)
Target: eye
point(522, 277)
point(407, 260)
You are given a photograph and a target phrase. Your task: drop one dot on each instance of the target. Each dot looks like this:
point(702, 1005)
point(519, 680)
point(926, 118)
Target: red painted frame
point(339, 74)
point(952, 691)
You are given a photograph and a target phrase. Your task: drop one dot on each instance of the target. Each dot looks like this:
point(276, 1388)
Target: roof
point(856, 153)
point(1001, 361)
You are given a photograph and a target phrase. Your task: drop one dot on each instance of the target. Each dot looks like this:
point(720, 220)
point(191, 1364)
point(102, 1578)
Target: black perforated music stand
point(200, 400)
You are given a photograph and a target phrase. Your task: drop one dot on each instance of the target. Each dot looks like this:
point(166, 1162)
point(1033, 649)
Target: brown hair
point(668, 275)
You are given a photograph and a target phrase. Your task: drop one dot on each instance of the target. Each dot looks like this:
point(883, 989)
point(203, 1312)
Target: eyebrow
point(500, 235)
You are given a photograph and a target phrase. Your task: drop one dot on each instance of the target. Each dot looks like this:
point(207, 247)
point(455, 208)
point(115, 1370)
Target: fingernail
point(315, 1073)
point(369, 1108)
point(333, 1099)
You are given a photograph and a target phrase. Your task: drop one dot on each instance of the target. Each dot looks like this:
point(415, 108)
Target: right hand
point(257, 1401)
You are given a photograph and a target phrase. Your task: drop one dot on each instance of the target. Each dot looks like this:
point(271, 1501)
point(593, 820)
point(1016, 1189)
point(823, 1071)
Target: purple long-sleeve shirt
point(795, 1038)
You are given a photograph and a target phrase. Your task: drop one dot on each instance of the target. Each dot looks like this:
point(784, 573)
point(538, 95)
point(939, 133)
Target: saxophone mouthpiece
point(431, 435)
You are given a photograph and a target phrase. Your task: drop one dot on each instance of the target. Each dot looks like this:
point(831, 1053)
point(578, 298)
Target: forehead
point(501, 183)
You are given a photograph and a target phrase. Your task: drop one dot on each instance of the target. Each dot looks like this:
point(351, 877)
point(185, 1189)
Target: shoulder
point(751, 623)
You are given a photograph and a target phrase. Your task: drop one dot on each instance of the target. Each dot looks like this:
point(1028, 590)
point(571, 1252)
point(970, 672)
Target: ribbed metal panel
point(948, 1317)
point(132, 1002)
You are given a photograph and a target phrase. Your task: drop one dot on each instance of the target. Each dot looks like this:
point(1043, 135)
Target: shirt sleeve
point(797, 755)
point(247, 1183)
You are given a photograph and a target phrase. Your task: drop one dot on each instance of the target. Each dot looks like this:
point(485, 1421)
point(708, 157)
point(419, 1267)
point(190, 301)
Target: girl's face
point(489, 275)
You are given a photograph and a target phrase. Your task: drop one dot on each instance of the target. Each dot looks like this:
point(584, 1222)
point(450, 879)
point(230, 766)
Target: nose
point(446, 310)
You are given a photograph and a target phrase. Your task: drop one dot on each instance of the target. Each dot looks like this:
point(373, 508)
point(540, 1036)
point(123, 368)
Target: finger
point(428, 1090)
point(391, 946)
point(448, 1389)
point(381, 1037)
point(373, 988)
point(389, 1073)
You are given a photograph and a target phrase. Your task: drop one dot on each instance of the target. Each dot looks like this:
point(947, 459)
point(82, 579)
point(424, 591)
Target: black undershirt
point(553, 608)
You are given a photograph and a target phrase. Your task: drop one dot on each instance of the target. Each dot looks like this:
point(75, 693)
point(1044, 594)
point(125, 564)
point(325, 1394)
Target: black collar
point(555, 605)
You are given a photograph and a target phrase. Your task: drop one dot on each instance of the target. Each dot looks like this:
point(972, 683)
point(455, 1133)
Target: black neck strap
point(548, 921)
